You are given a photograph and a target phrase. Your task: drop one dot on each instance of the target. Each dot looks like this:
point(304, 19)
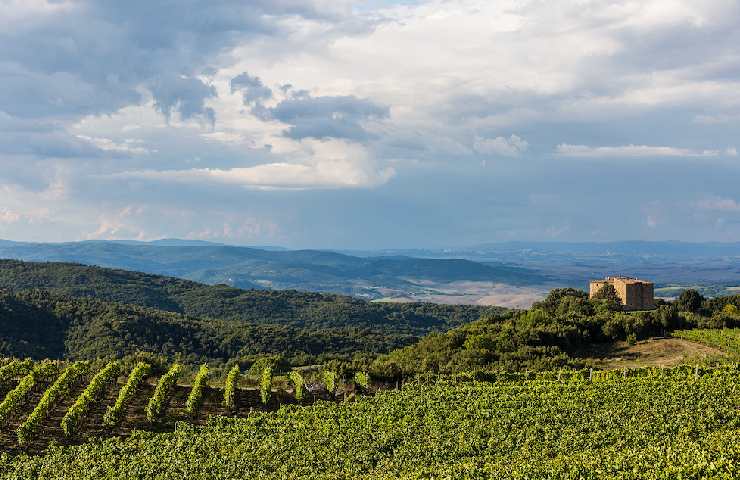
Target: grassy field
point(649, 423)
point(652, 352)
point(727, 339)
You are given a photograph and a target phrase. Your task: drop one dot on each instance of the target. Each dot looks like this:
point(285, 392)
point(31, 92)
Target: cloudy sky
point(374, 123)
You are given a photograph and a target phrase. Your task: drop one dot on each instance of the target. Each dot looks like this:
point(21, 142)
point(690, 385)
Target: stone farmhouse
point(635, 294)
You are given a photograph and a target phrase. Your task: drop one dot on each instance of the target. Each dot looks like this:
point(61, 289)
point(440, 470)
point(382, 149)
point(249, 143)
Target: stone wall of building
point(635, 294)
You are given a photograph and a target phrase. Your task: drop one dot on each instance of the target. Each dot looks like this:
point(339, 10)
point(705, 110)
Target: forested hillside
point(89, 312)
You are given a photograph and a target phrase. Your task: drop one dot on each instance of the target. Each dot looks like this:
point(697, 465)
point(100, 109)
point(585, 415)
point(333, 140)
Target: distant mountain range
point(274, 268)
point(713, 268)
point(508, 274)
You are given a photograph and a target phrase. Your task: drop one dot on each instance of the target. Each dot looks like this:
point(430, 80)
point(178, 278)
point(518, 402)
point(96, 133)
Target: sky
point(370, 124)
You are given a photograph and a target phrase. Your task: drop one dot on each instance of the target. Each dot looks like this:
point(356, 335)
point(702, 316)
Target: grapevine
point(362, 379)
point(74, 416)
point(298, 383)
point(330, 381)
point(158, 403)
point(58, 390)
point(196, 393)
point(14, 400)
point(682, 424)
point(230, 388)
point(14, 369)
point(114, 414)
point(266, 384)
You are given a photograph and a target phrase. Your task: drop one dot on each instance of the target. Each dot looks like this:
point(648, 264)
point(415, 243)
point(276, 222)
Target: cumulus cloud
point(631, 151)
point(502, 146)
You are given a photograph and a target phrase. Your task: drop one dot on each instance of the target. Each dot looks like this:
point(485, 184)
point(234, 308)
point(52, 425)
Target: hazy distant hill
point(243, 267)
point(712, 267)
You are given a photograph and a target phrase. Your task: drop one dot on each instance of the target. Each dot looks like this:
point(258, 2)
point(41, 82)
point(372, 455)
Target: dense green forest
point(74, 311)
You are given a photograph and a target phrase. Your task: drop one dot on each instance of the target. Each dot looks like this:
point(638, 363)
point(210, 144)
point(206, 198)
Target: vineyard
point(68, 403)
point(642, 423)
point(726, 339)
point(648, 423)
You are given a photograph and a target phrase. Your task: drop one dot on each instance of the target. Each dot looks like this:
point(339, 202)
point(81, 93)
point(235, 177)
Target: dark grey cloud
point(252, 89)
point(93, 57)
point(184, 94)
point(326, 116)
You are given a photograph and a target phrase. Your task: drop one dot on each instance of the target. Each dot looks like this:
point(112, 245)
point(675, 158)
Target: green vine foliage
point(230, 388)
point(95, 390)
point(682, 424)
point(58, 390)
point(330, 381)
point(14, 369)
point(362, 379)
point(15, 399)
point(195, 399)
point(299, 383)
point(266, 384)
point(161, 397)
point(114, 413)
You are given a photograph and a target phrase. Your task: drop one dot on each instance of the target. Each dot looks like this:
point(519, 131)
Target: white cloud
point(506, 147)
point(130, 146)
point(631, 151)
point(329, 164)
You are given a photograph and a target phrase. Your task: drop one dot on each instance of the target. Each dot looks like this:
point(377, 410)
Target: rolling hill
point(62, 310)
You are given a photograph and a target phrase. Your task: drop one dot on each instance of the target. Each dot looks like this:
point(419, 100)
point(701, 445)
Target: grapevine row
point(230, 388)
point(298, 382)
point(114, 414)
point(59, 389)
point(15, 399)
point(94, 391)
point(196, 393)
point(330, 381)
point(158, 403)
point(14, 369)
point(266, 384)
